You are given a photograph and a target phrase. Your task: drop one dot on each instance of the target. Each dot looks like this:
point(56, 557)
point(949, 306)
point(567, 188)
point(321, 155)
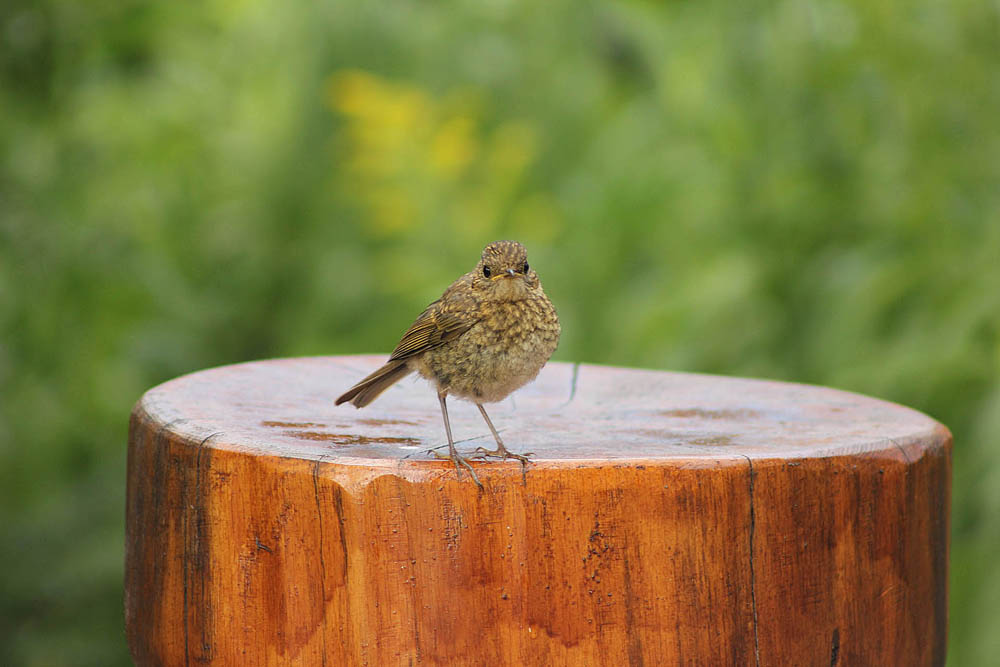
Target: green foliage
point(805, 191)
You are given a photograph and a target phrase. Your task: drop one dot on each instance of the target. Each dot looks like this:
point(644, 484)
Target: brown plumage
point(490, 333)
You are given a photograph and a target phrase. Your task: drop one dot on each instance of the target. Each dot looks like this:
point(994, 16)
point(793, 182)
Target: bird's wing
point(437, 325)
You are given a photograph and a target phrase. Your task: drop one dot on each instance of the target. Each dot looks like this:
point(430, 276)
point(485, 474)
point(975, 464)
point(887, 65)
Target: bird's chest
point(504, 350)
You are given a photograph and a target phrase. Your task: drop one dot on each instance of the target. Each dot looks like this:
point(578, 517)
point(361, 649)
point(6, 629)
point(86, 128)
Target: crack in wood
point(322, 562)
point(572, 386)
point(193, 507)
point(906, 457)
point(753, 575)
point(635, 648)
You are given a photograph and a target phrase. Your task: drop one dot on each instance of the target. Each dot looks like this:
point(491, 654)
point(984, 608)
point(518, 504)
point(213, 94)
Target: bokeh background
point(806, 191)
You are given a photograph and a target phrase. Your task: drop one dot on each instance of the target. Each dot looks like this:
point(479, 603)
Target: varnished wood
point(668, 519)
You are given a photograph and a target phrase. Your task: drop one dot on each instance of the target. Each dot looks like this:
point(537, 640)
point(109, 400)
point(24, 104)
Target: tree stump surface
point(666, 518)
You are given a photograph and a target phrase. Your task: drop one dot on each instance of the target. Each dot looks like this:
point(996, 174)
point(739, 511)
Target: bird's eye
point(486, 271)
point(524, 269)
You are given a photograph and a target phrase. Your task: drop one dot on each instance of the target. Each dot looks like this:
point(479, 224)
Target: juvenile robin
point(490, 333)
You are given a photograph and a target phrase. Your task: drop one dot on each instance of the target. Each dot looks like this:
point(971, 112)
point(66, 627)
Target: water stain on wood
point(353, 438)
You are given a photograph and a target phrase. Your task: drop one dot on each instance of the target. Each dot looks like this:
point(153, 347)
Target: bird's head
point(503, 271)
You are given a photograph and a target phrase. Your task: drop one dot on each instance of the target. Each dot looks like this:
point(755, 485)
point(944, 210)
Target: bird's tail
point(369, 389)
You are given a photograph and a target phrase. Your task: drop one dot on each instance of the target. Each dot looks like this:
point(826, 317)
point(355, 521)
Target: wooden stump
point(667, 519)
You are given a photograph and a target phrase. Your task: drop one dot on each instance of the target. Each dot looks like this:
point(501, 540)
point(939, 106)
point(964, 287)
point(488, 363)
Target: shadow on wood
point(668, 518)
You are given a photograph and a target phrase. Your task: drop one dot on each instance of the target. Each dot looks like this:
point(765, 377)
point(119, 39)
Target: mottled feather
point(446, 319)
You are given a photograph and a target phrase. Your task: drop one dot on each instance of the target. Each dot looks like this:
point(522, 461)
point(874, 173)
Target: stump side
point(235, 556)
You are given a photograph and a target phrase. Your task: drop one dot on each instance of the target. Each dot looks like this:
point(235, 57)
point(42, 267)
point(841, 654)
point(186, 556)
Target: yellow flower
point(453, 146)
point(406, 151)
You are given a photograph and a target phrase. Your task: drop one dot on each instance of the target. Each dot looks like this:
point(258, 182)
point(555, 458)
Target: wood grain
point(668, 519)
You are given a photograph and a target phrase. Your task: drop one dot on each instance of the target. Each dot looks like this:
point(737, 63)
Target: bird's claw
point(459, 462)
point(502, 454)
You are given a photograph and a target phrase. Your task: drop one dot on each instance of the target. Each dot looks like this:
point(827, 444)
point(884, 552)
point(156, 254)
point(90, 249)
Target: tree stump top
point(666, 518)
point(572, 413)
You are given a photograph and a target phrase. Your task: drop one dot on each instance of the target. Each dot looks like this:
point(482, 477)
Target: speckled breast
point(499, 354)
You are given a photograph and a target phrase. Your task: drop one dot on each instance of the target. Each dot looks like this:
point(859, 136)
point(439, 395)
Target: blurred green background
point(806, 191)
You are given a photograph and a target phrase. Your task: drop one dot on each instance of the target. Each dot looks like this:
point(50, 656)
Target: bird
point(489, 334)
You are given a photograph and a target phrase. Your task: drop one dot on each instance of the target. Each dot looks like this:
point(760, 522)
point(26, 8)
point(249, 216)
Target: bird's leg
point(452, 452)
point(501, 451)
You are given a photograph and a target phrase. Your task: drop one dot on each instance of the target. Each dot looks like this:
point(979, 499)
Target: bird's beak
point(509, 273)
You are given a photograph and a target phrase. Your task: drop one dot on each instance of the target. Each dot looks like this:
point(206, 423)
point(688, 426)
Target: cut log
point(666, 518)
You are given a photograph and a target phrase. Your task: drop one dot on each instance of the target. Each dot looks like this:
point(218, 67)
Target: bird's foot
point(459, 461)
point(502, 453)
